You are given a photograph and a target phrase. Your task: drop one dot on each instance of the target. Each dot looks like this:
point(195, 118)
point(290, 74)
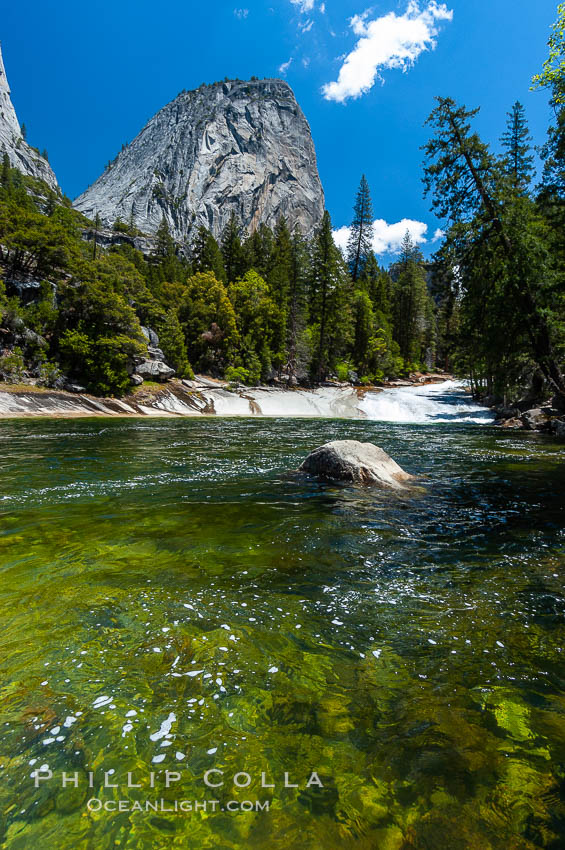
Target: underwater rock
point(359, 463)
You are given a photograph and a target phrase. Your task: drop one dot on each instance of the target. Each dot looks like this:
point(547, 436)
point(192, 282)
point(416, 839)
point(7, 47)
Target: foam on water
point(433, 403)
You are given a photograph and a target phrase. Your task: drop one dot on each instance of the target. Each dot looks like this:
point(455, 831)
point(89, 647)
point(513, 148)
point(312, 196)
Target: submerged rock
point(359, 463)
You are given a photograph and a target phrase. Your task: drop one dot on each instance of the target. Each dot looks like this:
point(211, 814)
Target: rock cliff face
point(236, 146)
point(23, 157)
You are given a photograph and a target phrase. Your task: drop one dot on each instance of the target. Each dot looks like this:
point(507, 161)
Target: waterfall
point(445, 402)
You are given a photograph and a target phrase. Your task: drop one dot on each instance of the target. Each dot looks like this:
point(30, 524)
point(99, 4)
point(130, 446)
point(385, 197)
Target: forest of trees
point(254, 309)
point(499, 277)
point(274, 305)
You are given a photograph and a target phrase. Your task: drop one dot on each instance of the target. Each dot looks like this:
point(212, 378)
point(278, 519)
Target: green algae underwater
point(174, 599)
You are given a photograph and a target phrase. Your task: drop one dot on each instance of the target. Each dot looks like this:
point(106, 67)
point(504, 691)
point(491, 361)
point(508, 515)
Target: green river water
point(173, 599)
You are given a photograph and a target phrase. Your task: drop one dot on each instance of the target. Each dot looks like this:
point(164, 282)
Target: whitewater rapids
point(432, 403)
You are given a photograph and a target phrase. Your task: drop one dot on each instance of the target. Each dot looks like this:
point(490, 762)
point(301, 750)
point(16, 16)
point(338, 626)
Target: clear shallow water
point(173, 599)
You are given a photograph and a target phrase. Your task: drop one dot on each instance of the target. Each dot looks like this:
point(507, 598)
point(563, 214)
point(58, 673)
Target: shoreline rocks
point(545, 419)
point(357, 463)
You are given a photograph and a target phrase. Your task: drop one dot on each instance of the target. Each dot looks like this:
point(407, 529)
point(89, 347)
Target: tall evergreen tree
point(467, 188)
point(411, 308)
point(165, 244)
point(232, 250)
point(328, 300)
point(518, 159)
point(297, 348)
point(281, 262)
point(206, 255)
point(173, 345)
point(5, 174)
point(259, 250)
point(359, 246)
point(97, 226)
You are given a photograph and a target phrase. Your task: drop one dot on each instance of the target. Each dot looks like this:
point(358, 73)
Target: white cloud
point(307, 26)
point(391, 41)
point(323, 8)
point(306, 61)
point(241, 13)
point(305, 5)
point(387, 238)
point(439, 234)
point(285, 66)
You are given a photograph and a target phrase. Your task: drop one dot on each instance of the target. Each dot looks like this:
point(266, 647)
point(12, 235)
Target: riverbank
point(432, 400)
point(545, 417)
point(184, 398)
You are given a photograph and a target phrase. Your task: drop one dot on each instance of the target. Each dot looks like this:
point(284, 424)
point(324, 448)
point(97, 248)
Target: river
point(174, 598)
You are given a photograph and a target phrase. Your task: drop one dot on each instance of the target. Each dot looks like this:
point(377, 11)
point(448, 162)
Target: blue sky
point(86, 77)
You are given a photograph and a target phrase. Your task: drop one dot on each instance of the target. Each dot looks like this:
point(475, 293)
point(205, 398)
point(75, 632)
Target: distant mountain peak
point(240, 146)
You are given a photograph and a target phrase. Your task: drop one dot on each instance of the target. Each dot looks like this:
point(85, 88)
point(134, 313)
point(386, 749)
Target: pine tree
point(259, 249)
point(359, 246)
point(409, 253)
point(23, 130)
point(410, 303)
point(5, 175)
point(173, 345)
point(165, 244)
point(206, 255)
point(363, 317)
point(97, 225)
point(232, 250)
point(297, 347)
point(281, 262)
point(467, 187)
point(377, 283)
point(328, 302)
point(518, 160)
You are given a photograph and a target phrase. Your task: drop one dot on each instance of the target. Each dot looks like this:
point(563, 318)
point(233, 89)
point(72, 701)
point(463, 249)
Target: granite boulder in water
point(358, 463)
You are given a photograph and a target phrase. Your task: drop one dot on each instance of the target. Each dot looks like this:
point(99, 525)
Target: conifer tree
point(232, 250)
point(165, 244)
point(173, 345)
point(466, 185)
point(328, 301)
point(518, 159)
point(410, 303)
point(5, 175)
point(281, 262)
point(297, 347)
point(258, 250)
point(206, 255)
point(97, 225)
point(359, 246)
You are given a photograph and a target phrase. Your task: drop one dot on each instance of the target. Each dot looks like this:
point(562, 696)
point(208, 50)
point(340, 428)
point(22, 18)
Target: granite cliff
point(21, 155)
point(234, 146)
